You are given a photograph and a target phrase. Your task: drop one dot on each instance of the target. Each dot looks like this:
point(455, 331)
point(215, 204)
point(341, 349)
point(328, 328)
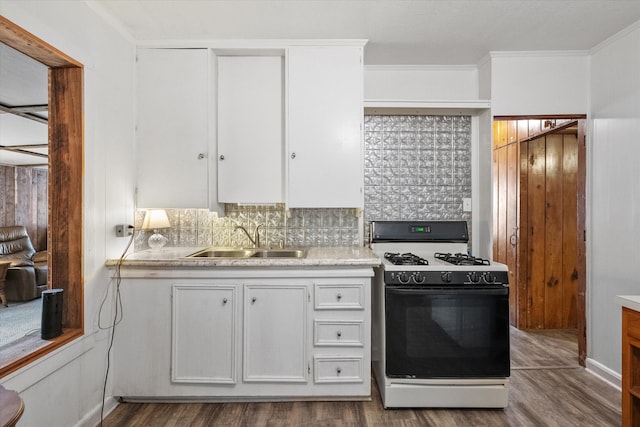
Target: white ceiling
point(400, 32)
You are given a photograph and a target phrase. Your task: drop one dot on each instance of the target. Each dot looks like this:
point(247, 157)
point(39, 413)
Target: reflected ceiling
point(23, 109)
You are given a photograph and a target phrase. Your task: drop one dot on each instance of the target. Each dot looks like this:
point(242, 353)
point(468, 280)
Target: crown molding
point(614, 38)
point(537, 53)
point(466, 67)
point(248, 43)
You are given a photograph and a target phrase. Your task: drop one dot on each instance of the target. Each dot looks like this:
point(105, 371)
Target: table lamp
point(155, 219)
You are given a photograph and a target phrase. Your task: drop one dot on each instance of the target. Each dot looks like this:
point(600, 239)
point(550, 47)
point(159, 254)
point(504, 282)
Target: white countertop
point(629, 301)
point(172, 257)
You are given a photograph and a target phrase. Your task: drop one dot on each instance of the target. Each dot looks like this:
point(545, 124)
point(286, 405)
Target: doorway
point(539, 220)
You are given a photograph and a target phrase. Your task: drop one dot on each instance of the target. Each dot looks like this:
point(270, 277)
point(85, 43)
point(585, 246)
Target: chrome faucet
point(255, 241)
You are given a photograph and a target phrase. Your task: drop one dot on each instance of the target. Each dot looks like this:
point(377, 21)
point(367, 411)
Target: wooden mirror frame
point(66, 165)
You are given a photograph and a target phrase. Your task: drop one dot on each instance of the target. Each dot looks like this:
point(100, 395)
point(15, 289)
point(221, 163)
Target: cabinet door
point(275, 333)
point(172, 128)
point(325, 113)
point(203, 338)
point(250, 143)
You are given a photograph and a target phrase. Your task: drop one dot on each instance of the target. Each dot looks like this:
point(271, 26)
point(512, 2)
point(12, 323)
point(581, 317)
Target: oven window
point(433, 333)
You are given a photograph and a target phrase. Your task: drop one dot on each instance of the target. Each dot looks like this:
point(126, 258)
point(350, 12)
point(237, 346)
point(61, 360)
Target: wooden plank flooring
point(548, 388)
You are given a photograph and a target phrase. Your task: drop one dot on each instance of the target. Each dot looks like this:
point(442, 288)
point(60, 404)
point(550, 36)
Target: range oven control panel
point(453, 278)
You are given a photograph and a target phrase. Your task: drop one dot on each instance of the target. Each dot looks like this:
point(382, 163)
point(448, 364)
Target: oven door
point(447, 333)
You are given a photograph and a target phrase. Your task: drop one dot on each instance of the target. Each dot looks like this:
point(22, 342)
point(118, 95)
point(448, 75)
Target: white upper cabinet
point(256, 124)
point(250, 129)
point(172, 100)
point(325, 115)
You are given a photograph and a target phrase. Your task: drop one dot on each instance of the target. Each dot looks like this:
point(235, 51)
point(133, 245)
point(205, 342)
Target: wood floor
point(548, 389)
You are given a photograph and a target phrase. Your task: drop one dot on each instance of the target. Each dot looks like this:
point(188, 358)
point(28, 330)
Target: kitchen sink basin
point(278, 253)
point(223, 253)
point(248, 253)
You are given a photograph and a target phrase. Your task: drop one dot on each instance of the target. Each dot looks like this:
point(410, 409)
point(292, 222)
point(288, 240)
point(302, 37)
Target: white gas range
point(440, 318)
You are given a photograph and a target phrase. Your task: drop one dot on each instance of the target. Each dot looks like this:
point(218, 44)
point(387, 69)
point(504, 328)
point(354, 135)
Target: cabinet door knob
point(254, 299)
point(202, 156)
point(224, 300)
point(293, 156)
point(339, 334)
point(221, 157)
point(339, 370)
point(339, 296)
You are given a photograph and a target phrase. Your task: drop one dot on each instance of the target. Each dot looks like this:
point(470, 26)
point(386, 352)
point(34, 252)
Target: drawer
point(329, 369)
point(339, 296)
point(347, 333)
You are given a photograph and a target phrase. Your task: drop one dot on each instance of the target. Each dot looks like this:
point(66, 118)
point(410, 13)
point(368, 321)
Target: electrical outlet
point(466, 204)
point(123, 230)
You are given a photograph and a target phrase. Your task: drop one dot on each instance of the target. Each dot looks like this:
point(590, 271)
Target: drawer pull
point(224, 301)
point(253, 300)
point(339, 370)
point(339, 296)
point(339, 334)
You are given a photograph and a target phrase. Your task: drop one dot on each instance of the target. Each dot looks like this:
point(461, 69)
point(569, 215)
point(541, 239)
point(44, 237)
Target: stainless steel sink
point(248, 253)
point(223, 253)
point(278, 253)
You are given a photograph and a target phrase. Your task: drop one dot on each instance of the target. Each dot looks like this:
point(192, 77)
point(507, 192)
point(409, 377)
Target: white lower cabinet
point(343, 369)
point(275, 333)
point(215, 338)
point(204, 330)
point(342, 332)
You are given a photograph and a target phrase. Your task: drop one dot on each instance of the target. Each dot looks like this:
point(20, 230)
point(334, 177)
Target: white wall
point(614, 191)
point(64, 388)
point(448, 89)
point(420, 83)
point(531, 83)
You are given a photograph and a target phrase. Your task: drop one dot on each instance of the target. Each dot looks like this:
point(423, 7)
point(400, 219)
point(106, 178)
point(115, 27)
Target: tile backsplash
point(298, 227)
point(415, 168)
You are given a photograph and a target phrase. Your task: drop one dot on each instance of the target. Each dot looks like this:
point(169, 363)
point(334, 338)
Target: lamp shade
point(155, 219)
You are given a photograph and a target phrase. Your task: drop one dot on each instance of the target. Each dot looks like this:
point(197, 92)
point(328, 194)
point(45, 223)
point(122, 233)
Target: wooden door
point(550, 251)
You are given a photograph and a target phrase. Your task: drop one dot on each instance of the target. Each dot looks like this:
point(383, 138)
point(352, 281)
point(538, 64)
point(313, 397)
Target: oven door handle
point(450, 291)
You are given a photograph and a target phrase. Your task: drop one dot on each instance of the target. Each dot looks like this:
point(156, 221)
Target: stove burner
point(405, 259)
point(461, 259)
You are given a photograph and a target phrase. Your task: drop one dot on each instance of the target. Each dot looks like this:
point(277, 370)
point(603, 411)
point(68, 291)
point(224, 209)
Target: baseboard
point(604, 373)
point(92, 418)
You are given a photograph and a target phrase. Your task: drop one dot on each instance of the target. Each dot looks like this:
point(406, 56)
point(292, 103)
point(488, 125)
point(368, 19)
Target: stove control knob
point(473, 277)
point(403, 277)
point(488, 277)
point(446, 276)
point(418, 278)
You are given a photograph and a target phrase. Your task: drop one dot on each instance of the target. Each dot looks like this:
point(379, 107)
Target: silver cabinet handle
point(224, 301)
point(339, 370)
point(202, 156)
point(254, 299)
point(339, 334)
point(339, 296)
point(221, 157)
point(293, 155)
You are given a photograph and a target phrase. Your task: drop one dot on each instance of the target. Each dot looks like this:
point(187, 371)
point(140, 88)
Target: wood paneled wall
point(538, 197)
point(23, 201)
